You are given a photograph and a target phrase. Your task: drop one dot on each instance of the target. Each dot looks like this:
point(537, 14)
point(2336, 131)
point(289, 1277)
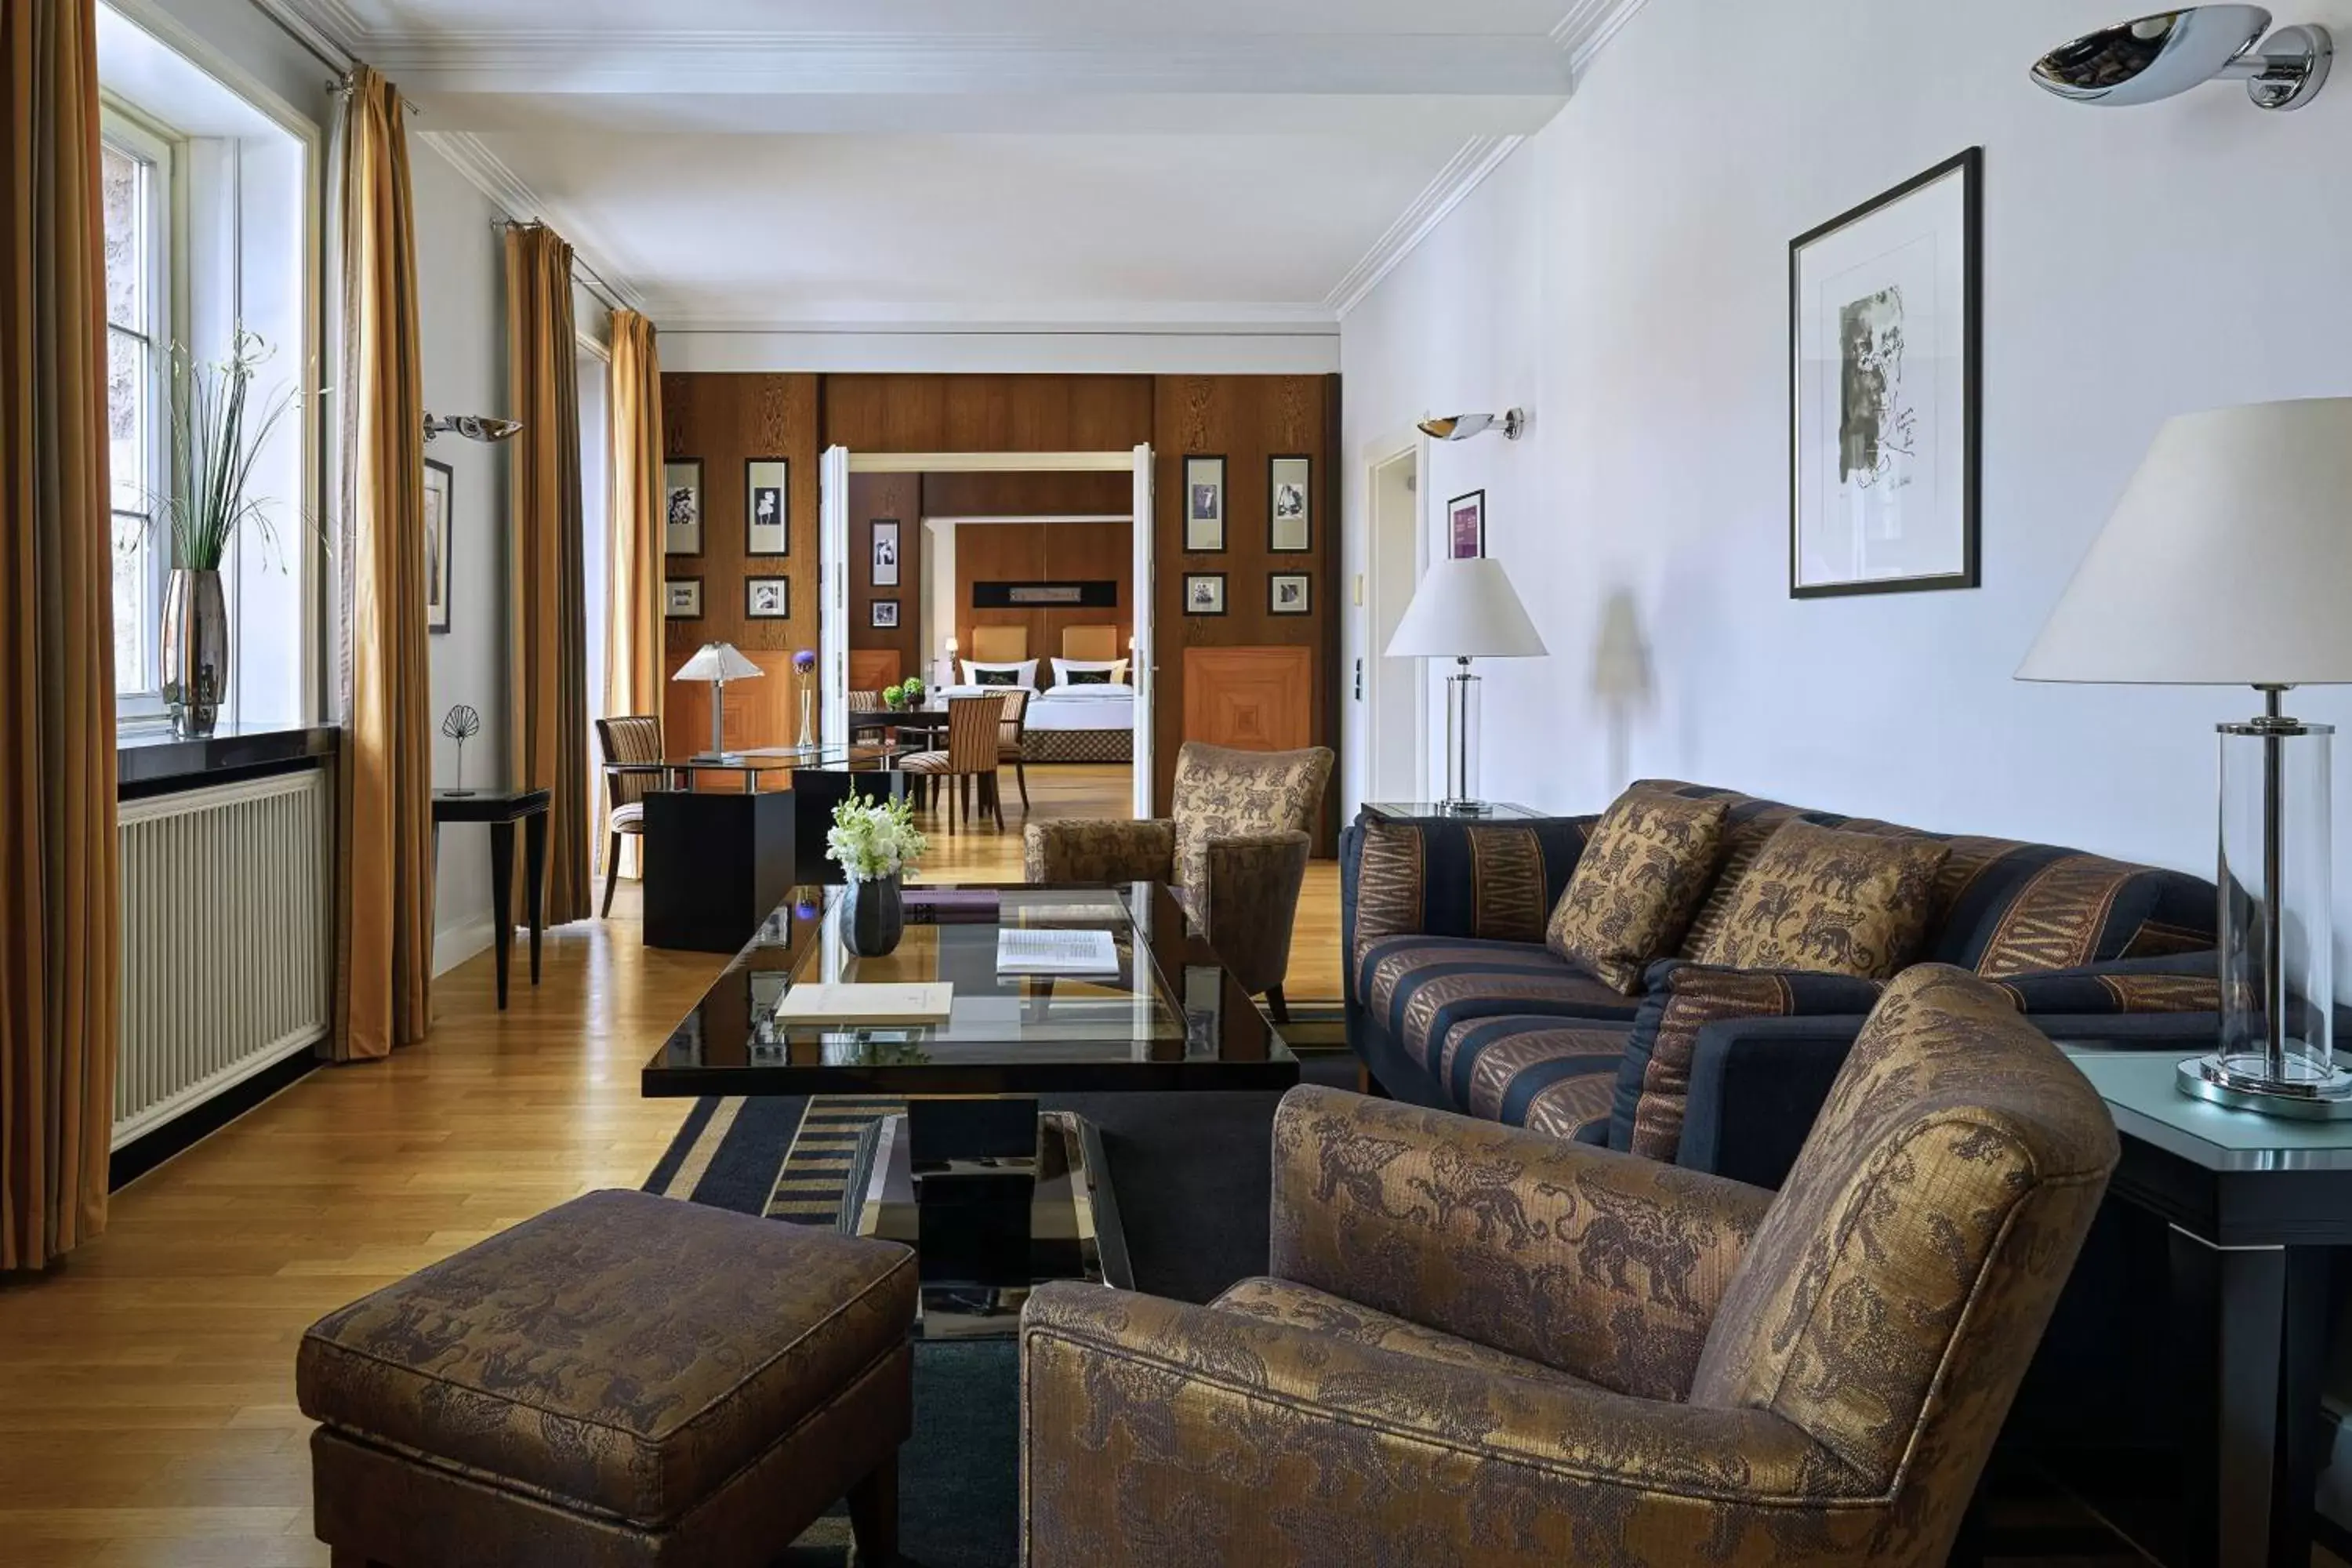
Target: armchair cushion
point(1817, 899)
point(1650, 861)
point(1223, 793)
point(1080, 850)
point(1304, 1307)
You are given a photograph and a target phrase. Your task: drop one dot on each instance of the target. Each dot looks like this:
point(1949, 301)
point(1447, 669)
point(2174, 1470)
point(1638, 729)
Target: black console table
point(502, 808)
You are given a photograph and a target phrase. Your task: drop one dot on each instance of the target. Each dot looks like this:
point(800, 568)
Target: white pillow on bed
point(1025, 673)
point(1115, 667)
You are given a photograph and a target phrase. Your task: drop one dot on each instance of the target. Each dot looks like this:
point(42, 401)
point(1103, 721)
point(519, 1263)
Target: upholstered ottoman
point(625, 1381)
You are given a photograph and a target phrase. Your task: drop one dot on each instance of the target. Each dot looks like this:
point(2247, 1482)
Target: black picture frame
point(673, 471)
point(1300, 477)
point(884, 531)
point(1474, 501)
point(1193, 578)
point(1306, 582)
point(439, 530)
point(671, 613)
point(883, 617)
point(780, 545)
point(1970, 165)
point(752, 586)
point(1189, 497)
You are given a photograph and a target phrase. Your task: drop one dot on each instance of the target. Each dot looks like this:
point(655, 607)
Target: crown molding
point(1478, 158)
point(325, 28)
point(861, 320)
point(1587, 28)
point(488, 174)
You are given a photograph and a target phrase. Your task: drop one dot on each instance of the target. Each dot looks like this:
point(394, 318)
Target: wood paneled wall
point(899, 495)
point(987, 413)
point(1029, 495)
point(727, 421)
point(1040, 552)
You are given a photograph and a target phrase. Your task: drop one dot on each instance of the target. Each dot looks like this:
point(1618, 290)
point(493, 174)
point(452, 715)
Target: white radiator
point(227, 938)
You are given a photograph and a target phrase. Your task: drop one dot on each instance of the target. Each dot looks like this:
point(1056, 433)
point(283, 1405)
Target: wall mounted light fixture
point(2160, 55)
point(472, 426)
point(1512, 423)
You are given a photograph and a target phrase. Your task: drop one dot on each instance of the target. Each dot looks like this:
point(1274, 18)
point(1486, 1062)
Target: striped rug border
point(808, 1185)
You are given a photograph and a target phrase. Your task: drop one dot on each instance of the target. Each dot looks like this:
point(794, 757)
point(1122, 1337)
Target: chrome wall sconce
point(1512, 423)
point(472, 426)
point(2160, 55)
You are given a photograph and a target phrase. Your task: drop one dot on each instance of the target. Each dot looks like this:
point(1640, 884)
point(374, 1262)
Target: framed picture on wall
point(886, 615)
point(682, 598)
point(768, 598)
point(1465, 527)
point(1289, 527)
point(886, 551)
point(1204, 505)
point(767, 507)
point(1204, 592)
point(1289, 593)
point(682, 507)
point(1885, 345)
point(437, 480)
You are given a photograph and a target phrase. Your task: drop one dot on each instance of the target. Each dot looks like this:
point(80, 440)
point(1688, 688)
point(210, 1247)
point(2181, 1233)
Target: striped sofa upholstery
point(1454, 1003)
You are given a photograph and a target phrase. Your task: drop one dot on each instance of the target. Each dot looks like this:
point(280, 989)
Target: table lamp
point(2224, 565)
point(717, 663)
point(1463, 610)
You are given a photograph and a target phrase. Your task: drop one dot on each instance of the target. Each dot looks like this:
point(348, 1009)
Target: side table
point(502, 808)
point(1496, 811)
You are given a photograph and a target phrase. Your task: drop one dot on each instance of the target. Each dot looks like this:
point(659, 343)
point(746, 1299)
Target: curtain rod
point(596, 285)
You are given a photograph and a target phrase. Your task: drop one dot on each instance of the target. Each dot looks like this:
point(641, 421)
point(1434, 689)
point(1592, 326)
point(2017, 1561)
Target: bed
point(1094, 723)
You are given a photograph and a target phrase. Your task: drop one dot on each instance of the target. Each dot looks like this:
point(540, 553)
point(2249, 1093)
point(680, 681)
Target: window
point(136, 169)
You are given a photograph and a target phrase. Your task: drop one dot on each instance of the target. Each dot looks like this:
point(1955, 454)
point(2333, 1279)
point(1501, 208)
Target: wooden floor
point(146, 1386)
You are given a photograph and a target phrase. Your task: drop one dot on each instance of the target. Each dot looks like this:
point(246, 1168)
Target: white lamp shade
point(1465, 609)
point(2226, 561)
point(718, 661)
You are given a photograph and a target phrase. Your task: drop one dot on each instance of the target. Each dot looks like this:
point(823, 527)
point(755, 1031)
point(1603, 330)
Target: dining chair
point(631, 745)
point(1010, 736)
point(974, 741)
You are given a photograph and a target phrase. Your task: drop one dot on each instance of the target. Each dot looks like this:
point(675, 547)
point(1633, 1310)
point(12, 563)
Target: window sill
point(157, 762)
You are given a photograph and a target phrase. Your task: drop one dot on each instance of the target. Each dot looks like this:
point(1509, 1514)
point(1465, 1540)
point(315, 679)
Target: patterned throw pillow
point(1636, 885)
point(1832, 903)
point(1087, 677)
point(997, 678)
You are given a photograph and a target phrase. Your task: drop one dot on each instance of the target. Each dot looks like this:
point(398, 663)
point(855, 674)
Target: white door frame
point(1144, 672)
point(1395, 749)
point(833, 594)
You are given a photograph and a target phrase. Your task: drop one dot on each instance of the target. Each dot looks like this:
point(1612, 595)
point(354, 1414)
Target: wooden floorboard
point(147, 1413)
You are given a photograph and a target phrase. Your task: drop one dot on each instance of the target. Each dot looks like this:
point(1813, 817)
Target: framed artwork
point(1204, 505)
point(767, 507)
point(1290, 529)
point(1465, 527)
point(886, 551)
point(1886, 342)
point(1289, 593)
point(886, 615)
point(1204, 592)
point(682, 507)
point(438, 477)
point(682, 598)
point(768, 598)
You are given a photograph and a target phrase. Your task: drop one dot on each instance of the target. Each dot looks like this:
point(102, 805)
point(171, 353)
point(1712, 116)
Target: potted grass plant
point(876, 844)
point(218, 430)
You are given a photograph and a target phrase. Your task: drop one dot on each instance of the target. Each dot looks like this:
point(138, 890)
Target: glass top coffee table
point(993, 1194)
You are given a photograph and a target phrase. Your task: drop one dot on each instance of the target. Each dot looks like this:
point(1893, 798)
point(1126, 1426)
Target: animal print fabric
point(1220, 793)
point(1253, 902)
point(1839, 903)
point(1648, 865)
point(1593, 1263)
point(1098, 849)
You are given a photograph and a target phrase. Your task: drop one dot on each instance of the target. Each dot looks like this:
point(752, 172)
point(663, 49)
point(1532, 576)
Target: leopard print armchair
point(1477, 1344)
point(1234, 848)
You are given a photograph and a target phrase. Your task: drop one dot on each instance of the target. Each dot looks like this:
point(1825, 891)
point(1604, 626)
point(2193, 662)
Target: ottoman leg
point(874, 1515)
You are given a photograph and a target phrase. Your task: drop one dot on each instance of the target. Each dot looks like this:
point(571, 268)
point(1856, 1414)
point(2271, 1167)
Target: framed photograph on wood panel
point(1289, 593)
point(1204, 592)
point(1290, 529)
point(767, 507)
point(682, 598)
point(886, 615)
point(768, 598)
point(886, 551)
point(1465, 527)
point(1204, 505)
point(438, 478)
point(682, 507)
point(1885, 345)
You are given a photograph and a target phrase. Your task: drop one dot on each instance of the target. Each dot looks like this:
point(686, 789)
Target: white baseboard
point(453, 946)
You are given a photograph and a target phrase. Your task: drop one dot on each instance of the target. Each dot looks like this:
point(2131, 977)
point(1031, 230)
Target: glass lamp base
point(1466, 807)
point(2240, 1081)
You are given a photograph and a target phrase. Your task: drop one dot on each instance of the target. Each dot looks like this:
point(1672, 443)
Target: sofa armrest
point(1253, 902)
point(1155, 1432)
point(1452, 876)
point(1756, 1085)
point(1599, 1264)
point(1087, 849)
point(2174, 982)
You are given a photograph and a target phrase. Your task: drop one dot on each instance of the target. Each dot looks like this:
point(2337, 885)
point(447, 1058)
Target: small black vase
point(872, 915)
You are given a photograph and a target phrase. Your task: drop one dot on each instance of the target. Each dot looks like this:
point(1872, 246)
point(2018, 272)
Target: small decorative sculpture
point(461, 725)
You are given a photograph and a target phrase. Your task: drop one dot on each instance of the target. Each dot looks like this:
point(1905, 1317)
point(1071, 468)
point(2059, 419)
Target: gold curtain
point(383, 991)
point(548, 608)
point(60, 960)
point(633, 611)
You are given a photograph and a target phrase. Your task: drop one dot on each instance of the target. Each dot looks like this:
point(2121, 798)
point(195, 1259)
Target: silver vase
point(195, 650)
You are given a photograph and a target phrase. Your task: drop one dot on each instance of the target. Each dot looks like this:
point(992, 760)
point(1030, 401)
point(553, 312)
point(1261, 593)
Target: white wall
point(1625, 275)
point(461, 297)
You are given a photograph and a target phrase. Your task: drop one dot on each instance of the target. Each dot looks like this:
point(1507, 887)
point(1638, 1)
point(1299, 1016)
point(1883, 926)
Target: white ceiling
point(946, 163)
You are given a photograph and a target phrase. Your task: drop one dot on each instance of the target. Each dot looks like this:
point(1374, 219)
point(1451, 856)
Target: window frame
point(140, 705)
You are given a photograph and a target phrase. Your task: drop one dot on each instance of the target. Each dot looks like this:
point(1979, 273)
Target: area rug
point(1193, 1178)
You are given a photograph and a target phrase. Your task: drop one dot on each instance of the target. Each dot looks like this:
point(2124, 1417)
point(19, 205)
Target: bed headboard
point(1000, 645)
point(1090, 642)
